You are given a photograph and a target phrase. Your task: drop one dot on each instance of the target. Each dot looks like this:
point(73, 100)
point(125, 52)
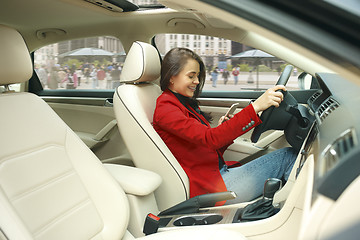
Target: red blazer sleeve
point(171, 116)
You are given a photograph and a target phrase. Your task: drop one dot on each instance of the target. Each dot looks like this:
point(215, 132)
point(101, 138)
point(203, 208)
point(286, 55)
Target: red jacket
point(195, 145)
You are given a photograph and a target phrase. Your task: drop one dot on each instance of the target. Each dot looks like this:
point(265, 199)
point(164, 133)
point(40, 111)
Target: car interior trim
point(78, 100)
point(223, 102)
point(337, 180)
point(301, 96)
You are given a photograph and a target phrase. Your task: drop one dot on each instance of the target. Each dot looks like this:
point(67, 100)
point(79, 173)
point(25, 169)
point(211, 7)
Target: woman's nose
point(196, 80)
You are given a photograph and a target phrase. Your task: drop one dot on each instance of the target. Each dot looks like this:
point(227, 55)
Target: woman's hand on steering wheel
point(272, 97)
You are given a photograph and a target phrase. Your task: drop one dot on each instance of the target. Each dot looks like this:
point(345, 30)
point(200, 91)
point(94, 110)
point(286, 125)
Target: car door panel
point(93, 120)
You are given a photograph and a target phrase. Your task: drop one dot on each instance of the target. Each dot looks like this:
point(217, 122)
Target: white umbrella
point(87, 52)
point(254, 54)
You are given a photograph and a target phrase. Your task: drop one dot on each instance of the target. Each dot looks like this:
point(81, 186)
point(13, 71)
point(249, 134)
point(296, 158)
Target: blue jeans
point(247, 181)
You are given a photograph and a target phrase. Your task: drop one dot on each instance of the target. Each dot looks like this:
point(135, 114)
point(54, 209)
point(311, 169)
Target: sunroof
point(127, 5)
point(115, 5)
point(147, 4)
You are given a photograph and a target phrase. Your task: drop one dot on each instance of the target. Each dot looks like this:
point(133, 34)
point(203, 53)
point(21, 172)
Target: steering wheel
point(269, 121)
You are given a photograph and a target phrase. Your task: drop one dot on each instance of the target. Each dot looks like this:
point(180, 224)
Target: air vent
point(314, 96)
point(326, 108)
point(115, 5)
point(336, 151)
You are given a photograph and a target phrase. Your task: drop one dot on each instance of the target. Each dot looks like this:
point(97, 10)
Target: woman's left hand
point(224, 119)
point(270, 98)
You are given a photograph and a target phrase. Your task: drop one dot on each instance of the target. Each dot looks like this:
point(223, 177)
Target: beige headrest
point(142, 64)
point(15, 62)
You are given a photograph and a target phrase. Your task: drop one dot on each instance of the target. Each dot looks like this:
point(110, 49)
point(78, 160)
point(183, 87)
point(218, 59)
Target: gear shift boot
point(262, 208)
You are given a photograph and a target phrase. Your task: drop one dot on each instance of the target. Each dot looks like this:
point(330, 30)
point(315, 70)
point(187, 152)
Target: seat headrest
point(142, 64)
point(15, 61)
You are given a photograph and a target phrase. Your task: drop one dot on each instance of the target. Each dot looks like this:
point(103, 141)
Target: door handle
point(108, 102)
point(101, 135)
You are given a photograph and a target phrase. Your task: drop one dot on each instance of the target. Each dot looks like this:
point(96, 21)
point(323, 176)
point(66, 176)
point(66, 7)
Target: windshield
point(352, 6)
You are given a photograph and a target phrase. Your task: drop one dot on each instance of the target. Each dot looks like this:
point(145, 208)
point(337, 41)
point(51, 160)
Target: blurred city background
point(96, 63)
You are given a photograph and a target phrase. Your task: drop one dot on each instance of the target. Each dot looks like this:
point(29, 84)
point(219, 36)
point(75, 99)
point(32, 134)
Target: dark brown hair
point(174, 62)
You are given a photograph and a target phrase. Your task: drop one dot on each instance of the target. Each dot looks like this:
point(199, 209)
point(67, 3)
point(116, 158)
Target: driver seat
point(134, 105)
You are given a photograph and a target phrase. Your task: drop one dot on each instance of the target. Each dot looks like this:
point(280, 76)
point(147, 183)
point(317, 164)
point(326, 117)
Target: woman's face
point(186, 81)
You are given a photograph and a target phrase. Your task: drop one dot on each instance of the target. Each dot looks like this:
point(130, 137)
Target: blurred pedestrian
point(62, 77)
point(43, 75)
point(53, 80)
point(115, 77)
point(214, 76)
point(236, 73)
point(295, 71)
point(225, 75)
point(101, 75)
point(93, 76)
point(250, 78)
point(74, 77)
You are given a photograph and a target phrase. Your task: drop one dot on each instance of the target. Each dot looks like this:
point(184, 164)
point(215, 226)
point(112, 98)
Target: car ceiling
point(69, 19)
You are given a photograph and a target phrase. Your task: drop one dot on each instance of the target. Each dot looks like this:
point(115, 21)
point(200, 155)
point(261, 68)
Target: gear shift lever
point(262, 208)
point(271, 186)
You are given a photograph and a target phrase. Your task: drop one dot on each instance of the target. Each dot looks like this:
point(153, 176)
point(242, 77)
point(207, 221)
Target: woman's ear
point(171, 84)
point(172, 79)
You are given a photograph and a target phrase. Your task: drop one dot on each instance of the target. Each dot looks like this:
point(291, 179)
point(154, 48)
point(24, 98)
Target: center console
point(260, 209)
point(204, 217)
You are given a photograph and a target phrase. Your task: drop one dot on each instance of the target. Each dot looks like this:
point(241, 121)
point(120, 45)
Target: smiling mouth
point(192, 88)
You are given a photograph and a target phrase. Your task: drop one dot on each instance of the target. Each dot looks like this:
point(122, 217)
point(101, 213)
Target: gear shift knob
point(271, 186)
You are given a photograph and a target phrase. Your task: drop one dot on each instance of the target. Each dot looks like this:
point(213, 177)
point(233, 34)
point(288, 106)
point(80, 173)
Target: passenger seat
point(51, 185)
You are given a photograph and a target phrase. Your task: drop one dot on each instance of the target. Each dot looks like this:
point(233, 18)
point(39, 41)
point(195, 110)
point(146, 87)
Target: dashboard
point(333, 138)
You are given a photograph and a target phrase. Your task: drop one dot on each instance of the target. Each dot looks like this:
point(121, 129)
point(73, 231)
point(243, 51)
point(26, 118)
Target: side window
point(231, 66)
point(89, 63)
point(12, 87)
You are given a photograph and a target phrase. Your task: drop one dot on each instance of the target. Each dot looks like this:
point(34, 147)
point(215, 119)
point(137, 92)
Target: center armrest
point(135, 181)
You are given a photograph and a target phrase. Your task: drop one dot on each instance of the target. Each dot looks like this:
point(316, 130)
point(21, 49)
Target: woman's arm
point(171, 118)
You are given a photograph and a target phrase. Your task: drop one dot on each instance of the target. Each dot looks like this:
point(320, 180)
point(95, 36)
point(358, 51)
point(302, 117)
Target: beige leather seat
point(51, 185)
point(134, 104)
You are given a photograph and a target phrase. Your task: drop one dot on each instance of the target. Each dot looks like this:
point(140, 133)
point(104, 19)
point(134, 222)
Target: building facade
point(213, 50)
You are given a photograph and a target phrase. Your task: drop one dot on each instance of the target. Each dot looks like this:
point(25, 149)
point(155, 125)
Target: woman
point(199, 148)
